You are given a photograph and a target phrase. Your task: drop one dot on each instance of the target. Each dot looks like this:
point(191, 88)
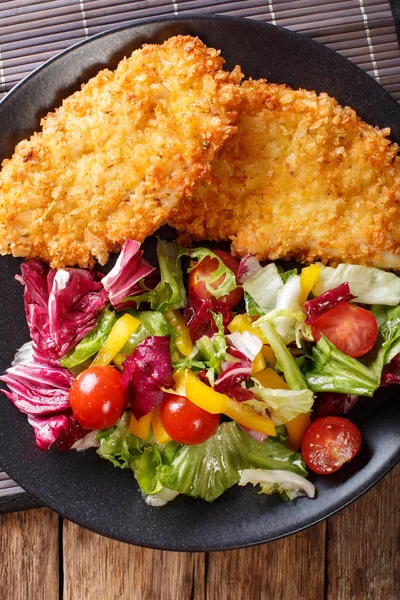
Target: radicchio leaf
point(61, 306)
point(37, 388)
point(233, 373)
point(199, 318)
point(123, 280)
point(391, 372)
point(145, 372)
point(328, 404)
point(317, 306)
point(248, 267)
point(61, 431)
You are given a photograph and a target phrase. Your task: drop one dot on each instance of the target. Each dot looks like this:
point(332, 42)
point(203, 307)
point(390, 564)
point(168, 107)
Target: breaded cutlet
point(118, 155)
point(303, 178)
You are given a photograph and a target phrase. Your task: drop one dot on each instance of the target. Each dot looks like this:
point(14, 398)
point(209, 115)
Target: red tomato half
point(352, 329)
point(185, 422)
point(329, 443)
point(97, 398)
point(201, 274)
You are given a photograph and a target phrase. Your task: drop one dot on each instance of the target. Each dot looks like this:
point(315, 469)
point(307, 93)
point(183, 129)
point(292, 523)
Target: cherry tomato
point(352, 329)
point(185, 422)
point(329, 443)
point(200, 275)
point(97, 398)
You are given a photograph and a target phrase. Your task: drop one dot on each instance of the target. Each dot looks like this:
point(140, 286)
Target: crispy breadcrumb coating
point(118, 155)
point(303, 178)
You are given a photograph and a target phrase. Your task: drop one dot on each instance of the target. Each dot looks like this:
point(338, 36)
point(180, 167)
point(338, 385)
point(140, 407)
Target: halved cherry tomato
point(352, 329)
point(200, 275)
point(97, 398)
point(329, 443)
point(185, 422)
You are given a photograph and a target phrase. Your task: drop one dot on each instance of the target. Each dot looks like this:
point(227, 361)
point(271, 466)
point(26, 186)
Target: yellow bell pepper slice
point(242, 323)
point(246, 416)
point(258, 363)
point(268, 355)
point(200, 393)
point(183, 340)
point(160, 434)
point(296, 429)
point(141, 427)
point(270, 379)
point(308, 278)
point(116, 339)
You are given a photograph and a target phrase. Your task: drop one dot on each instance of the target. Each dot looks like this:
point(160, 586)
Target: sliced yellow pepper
point(242, 323)
point(258, 363)
point(141, 427)
point(183, 341)
point(296, 429)
point(268, 355)
point(116, 339)
point(308, 278)
point(160, 434)
point(270, 379)
point(246, 416)
point(119, 359)
point(200, 393)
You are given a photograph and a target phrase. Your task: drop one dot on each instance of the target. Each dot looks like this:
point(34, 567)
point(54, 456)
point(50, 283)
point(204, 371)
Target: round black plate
point(90, 491)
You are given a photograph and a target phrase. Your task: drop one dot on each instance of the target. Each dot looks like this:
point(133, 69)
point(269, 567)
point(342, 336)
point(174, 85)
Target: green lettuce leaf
point(92, 342)
point(283, 405)
point(207, 353)
point(207, 470)
point(291, 371)
point(146, 470)
point(118, 445)
point(333, 371)
point(151, 323)
point(389, 336)
point(264, 287)
point(285, 275)
point(170, 293)
point(284, 483)
point(252, 308)
point(229, 281)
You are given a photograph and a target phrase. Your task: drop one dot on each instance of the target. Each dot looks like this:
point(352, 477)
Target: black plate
point(90, 491)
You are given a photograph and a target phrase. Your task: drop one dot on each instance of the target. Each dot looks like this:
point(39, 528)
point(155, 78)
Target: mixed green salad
point(203, 372)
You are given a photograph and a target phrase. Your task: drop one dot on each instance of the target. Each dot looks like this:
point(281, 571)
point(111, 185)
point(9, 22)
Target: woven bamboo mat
point(32, 31)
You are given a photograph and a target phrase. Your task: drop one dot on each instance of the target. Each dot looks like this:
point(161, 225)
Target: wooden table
point(354, 555)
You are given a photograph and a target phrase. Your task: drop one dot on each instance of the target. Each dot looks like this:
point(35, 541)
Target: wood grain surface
point(354, 555)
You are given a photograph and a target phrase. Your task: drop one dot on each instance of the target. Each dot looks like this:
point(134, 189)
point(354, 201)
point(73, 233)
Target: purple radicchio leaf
point(391, 372)
point(123, 280)
point(61, 431)
point(145, 372)
point(61, 306)
point(233, 373)
point(248, 267)
point(198, 316)
point(318, 306)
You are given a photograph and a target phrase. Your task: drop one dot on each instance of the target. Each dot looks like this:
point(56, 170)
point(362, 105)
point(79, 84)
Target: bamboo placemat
point(31, 32)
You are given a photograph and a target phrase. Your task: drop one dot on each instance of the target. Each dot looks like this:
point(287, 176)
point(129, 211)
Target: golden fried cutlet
point(303, 178)
point(118, 155)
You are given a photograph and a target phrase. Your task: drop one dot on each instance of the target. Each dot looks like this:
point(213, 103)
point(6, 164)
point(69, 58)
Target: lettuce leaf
point(287, 485)
point(251, 306)
point(207, 470)
point(91, 343)
point(283, 405)
point(119, 445)
point(333, 371)
point(264, 287)
point(170, 293)
point(389, 336)
point(369, 284)
point(151, 323)
point(228, 278)
point(291, 371)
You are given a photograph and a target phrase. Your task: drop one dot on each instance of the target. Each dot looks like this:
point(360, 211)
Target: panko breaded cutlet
point(118, 155)
point(303, 178)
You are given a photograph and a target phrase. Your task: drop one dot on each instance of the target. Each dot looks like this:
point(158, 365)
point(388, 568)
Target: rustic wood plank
point(29, 555)
point(97, 567)
point(363, 546)
point(288, 569)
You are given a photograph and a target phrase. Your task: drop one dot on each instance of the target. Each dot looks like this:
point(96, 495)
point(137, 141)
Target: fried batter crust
point(303, 178)
point(118, 155)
